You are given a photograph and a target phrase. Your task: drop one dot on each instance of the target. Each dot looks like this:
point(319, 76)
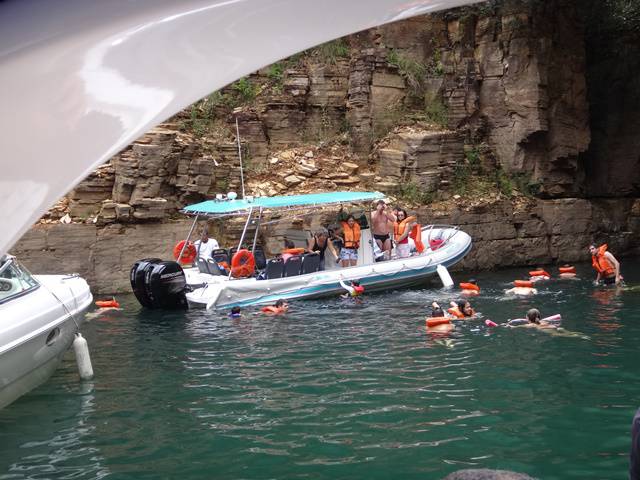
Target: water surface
point(337, 390)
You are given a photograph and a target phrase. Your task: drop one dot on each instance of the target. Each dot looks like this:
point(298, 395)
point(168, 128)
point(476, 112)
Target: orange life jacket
point(351, 235)
point(601, 263)
point(455, 311)
point(416, 232)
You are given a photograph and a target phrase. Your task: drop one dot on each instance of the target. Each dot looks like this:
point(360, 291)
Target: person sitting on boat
point(381, 219)
point(351, 235)
point(401, 230)
point(290, 250)
point(319, 243)
point(461, 309)
point(278, 308)
point(205, 246)
point(605, 264)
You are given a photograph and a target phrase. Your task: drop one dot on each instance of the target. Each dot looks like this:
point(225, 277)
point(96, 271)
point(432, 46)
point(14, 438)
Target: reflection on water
point(335, 390)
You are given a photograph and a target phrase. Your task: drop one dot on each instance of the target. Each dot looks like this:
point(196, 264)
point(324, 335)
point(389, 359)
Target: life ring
point(435, 321)
point(189, 254)
point(567, 269)
point(293, 251)
point(539, 273)
point(518, 321)
point(470, 286)
point(553, 318)
point(243, 264)
point(108, 303)
point(523, 283)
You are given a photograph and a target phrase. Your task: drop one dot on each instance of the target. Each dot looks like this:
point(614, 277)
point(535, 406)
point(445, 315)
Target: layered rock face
point(507, 85)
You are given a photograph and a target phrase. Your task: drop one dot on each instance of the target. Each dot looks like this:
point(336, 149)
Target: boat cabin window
point(14, 279)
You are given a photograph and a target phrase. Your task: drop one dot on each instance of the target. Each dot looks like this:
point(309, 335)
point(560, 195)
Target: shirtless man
point(381, 220)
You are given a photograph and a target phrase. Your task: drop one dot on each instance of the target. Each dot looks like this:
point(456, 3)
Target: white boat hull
point(36, 331)
point(223, 293)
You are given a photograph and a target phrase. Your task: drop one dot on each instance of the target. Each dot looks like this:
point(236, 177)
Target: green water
point(336, 390)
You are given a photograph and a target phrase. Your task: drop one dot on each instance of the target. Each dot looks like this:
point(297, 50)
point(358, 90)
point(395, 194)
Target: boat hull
point(399, 273)
point(37, 331)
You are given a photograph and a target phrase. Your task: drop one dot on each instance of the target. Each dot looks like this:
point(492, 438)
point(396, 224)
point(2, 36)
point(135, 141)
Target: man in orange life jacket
point(605, 264)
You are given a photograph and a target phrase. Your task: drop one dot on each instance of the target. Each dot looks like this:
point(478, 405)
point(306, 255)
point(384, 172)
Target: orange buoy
point(113, 303)
point(189, 254)
point(243, 264)
point(539, 273)
point(294, 251)
point(470, 286)
point(435, 321)
point(567, 269)
point(272, 310)
point(523, 283)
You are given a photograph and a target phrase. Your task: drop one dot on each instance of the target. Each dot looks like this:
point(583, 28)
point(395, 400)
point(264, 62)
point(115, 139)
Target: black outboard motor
point(136, 276)
point(159, 284)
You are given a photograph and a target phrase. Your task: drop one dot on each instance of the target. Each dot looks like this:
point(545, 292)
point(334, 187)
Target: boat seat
point(214, 268)
point(275, 268)
point(260, 257)
point(203, 266)
point(221, 255)
point(310, 263)
point(293, 266)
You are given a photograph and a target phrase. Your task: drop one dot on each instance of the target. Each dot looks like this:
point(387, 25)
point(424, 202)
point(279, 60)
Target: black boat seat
point(310, 263)
point(275, 268)
point(220, 255)
point(293, 266)
point(260, 257)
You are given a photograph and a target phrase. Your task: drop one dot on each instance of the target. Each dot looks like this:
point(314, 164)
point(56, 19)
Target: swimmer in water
point(437, 312)
point(354, 291)
point(278, 308)
point(549, 326)
point(522, 288)
point(462, 309)
point(235, 312)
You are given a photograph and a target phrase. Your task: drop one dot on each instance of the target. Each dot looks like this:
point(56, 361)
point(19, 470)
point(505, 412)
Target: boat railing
point(445, 240)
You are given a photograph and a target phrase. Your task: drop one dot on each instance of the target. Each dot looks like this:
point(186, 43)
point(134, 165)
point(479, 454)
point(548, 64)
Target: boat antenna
point(240, 155)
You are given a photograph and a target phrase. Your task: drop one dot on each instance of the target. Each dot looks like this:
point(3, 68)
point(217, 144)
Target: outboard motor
point(137, 275)
point(163, 284)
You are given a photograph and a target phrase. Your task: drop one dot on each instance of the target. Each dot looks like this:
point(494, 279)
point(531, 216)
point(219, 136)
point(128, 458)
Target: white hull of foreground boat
point(36, 330)
point(220, 292)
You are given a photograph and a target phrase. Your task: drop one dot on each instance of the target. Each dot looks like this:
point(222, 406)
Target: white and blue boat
point(161, 284)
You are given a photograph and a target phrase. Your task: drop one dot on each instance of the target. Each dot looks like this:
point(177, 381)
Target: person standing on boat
point(401, 230)
point(381, 219)
point(319, 243)
point(605, 264)
point(205, 246)
point(351, 235)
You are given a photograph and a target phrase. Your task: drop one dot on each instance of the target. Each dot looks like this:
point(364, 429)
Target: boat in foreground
point(40, 316)
point(165, 284)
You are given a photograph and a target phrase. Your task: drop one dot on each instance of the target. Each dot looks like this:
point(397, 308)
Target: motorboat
point(40, 316)
point(165, 284)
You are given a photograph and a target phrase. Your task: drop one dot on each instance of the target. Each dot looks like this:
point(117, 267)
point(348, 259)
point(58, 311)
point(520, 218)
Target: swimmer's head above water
point(533, 315)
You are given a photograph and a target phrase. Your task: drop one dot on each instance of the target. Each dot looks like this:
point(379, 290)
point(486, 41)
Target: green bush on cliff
point(435, 111)
point(412, 70)
point(412, 193)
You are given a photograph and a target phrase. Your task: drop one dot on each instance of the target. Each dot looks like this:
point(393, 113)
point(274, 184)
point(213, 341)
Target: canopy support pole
point(193, 226)
point(255, 235)
point(244, 231)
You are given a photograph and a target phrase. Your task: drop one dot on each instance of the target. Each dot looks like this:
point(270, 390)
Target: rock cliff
point(500, 117)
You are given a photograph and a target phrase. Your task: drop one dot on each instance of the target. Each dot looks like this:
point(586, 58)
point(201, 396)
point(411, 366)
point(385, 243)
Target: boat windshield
point(14, 279)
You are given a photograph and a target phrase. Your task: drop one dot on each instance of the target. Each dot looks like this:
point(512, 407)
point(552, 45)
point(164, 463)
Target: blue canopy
point(221, 207)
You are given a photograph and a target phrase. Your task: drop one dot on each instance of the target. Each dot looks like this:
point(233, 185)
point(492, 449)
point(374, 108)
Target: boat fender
point(523, 283)
point(470, 286)
point(445, 277)
point(81, 349)
point(539, 273)
point(567, 269)
point(113, 303)
point(518, 321)
point(189, 254)
point(435, 321)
